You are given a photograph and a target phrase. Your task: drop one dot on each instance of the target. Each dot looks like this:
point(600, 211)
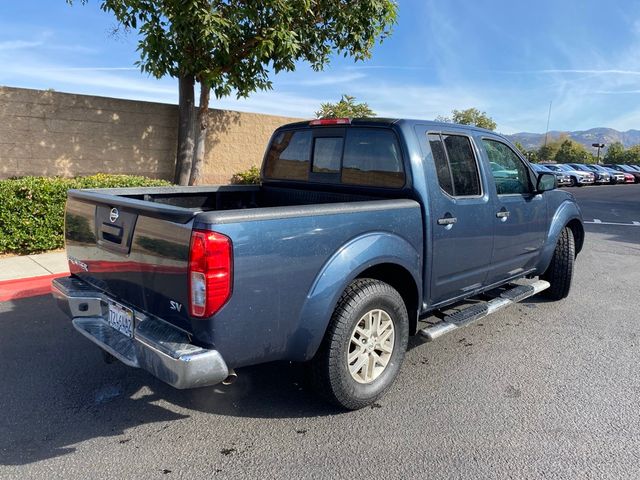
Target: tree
point(233, 47)
point(547, 152)
point(631, 155)
point(572, 152)
point(473, 116)
point(531, 155)
point(615, 153)
point(345, 108)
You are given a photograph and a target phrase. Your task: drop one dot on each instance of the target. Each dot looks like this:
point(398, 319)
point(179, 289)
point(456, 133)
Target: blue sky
point(507, 58)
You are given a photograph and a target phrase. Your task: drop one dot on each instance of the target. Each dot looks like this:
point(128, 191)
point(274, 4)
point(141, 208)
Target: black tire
point(574, 182)
point(560, 271)
point(330, 367)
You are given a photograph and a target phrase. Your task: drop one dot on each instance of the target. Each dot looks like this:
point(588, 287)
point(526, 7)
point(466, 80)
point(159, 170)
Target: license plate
point(121, 318)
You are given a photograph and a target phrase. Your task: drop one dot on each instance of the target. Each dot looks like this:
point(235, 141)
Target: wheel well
point(578, 233)
point(400, 279)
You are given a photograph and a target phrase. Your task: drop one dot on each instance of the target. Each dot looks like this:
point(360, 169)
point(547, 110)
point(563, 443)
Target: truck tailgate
point(132, 250)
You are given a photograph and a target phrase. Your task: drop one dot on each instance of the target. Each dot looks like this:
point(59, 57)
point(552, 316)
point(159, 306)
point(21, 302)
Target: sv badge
point(175, 305)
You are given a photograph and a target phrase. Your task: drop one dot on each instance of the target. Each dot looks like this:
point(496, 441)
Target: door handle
point(447, 220)
point(503, 214)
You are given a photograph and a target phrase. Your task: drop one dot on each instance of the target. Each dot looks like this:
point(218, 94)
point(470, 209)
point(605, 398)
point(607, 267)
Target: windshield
point(541, 168)
point(579, 166)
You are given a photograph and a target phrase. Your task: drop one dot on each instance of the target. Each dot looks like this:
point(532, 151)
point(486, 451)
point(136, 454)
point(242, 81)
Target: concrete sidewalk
point(13, 268)
point(30, 275)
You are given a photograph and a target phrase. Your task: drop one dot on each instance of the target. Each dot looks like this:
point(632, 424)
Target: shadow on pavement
point(57, 391)
point(628, 235)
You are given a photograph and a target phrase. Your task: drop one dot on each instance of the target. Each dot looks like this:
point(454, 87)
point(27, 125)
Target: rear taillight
point(210, 272)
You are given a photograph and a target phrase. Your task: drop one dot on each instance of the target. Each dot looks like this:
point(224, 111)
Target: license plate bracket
point(121, 318)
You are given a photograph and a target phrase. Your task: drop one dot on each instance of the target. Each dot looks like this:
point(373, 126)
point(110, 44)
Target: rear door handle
point(447, 220)
point(503, 214)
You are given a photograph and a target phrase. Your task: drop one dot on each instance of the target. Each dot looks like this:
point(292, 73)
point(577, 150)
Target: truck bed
point(279, 235)
point(182, 203)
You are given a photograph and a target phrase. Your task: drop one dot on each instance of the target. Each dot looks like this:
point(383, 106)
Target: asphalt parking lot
point(539, 390)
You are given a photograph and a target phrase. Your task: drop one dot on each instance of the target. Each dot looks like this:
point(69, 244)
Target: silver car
point(578, 177)
point(561, 178)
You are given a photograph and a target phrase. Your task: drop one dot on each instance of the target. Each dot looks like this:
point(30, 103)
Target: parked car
point(562, 178)
point(578, 177)
point(626, 177)
point(600, 176)
point(614, 175)
point(359, 229)
point(626, 169)
point(499, 171)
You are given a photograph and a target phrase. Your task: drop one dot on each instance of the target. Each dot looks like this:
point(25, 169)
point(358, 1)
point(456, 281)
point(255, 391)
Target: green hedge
point(247, 177)
point(32, 208)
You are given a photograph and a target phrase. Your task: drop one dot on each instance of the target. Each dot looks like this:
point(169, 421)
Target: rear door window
point(456, 164)
point(289, 156)
point(372, 158)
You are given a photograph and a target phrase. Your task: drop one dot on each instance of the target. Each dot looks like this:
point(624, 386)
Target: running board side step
point(478, 311)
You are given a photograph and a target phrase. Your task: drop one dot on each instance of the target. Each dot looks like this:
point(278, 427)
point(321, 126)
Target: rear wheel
point(560, 271)
point(364, 346)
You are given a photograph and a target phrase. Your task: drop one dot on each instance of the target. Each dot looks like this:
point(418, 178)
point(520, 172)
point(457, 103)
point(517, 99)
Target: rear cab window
point(289, 156)
point(360, 156)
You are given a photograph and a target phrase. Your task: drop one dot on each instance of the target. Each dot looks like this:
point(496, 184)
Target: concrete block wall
point(52, 133)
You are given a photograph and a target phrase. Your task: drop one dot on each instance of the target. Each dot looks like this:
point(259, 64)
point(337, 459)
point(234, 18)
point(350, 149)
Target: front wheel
point(364, 346)
point(574, 182)
point(560, 271)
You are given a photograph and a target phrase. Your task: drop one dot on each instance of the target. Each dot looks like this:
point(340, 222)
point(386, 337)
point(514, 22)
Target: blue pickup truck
point(361, 233)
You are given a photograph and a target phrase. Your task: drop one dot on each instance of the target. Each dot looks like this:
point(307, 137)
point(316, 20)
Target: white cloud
point(18, 45)
point(609, 71)
point(327, 79)
point(61, 78)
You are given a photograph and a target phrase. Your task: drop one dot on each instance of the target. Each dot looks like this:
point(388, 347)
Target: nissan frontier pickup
point(362, 233)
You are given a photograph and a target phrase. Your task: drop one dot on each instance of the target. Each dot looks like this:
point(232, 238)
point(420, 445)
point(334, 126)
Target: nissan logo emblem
point(113, 215)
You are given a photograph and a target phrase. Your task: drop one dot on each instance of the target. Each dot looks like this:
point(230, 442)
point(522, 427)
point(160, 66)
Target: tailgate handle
point(112, 233)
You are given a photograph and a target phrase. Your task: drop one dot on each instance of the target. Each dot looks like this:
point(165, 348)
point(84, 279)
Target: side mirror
point(546, 181)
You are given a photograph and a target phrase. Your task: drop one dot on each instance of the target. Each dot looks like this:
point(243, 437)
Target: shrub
point(32, 208)
point(248, 177)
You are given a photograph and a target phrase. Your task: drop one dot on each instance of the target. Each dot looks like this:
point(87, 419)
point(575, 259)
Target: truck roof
point(383, 121)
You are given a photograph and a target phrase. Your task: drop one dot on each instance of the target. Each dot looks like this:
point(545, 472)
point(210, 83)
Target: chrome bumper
point(161, 349)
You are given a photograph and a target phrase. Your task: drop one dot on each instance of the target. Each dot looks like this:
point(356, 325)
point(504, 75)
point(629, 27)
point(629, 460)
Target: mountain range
point(585, 137)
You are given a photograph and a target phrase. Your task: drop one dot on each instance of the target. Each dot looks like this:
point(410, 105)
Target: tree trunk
point(201, 135)
point(186, 131)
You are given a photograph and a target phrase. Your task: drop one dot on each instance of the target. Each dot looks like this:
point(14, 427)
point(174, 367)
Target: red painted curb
point(27, 287)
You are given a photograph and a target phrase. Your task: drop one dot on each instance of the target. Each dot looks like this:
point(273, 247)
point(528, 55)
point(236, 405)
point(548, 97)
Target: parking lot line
point(596, 221)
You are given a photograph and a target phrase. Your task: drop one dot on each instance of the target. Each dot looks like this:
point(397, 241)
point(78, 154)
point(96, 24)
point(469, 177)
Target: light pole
point(598, 146)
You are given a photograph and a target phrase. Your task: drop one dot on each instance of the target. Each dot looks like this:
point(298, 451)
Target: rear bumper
point(161, 349)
